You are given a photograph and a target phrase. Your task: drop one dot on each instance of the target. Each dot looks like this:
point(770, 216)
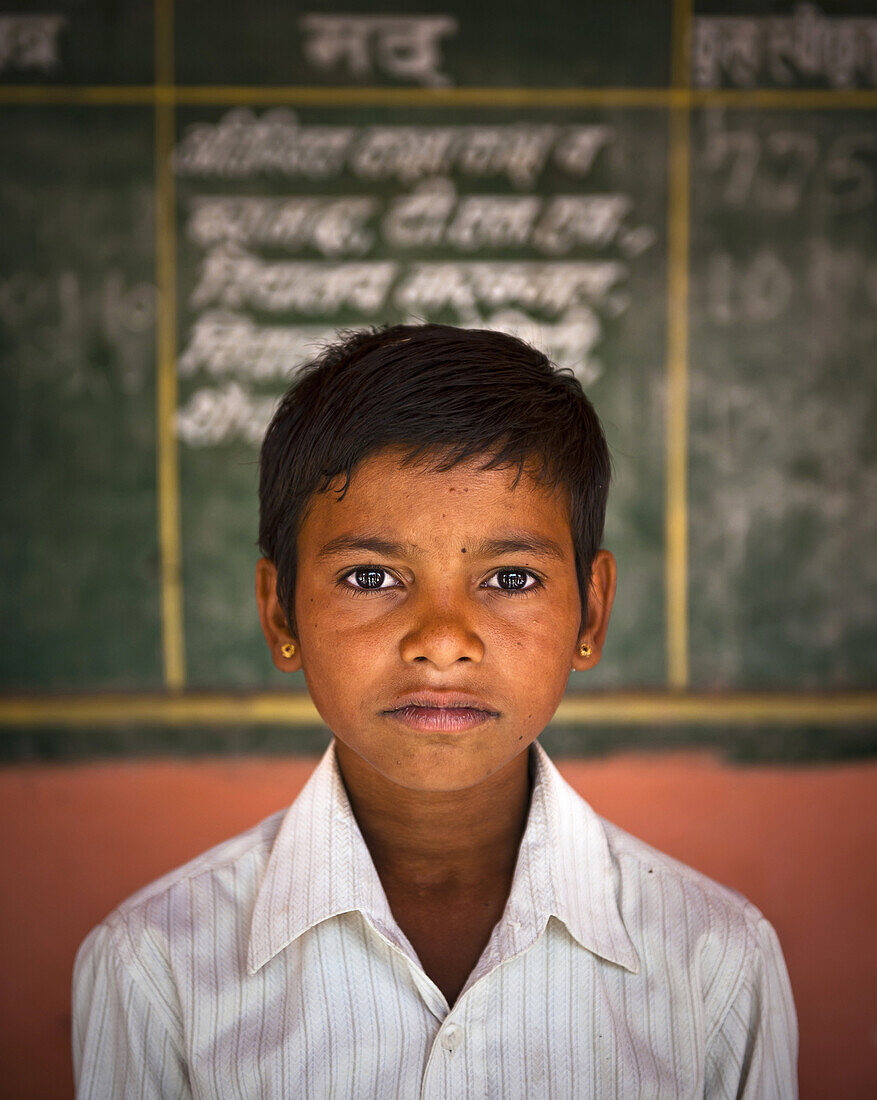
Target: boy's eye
point(369, 578)
point(514, 580)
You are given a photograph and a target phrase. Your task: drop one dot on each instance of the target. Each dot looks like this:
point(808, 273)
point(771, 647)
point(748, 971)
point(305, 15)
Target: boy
point(438, 914)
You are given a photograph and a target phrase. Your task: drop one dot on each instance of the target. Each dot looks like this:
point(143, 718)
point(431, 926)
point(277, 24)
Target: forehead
point(466, 499)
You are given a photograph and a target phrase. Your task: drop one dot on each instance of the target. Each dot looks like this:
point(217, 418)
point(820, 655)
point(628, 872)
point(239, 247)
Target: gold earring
point(585, 650)
point(288, 649)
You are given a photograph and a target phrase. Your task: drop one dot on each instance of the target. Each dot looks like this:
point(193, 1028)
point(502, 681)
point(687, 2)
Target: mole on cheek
point(462, 549)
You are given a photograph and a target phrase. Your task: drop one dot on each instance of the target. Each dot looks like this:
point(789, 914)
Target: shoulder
point(650, 870)
point(654, 892)
point(669, 907)
point(211, 894)
point(709, 949)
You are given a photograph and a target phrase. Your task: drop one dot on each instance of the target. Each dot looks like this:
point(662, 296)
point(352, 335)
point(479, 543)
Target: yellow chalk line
point(168, 94)
point(170, 550)
point(676, 475)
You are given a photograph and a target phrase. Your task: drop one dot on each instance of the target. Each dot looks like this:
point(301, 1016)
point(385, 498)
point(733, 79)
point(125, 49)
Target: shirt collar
point(565, 869)
point(320, 867)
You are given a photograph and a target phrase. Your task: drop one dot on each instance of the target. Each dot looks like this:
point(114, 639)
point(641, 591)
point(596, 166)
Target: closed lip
point(442, 700)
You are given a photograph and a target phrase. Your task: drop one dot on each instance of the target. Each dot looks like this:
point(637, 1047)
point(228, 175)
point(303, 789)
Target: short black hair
point(444, 394)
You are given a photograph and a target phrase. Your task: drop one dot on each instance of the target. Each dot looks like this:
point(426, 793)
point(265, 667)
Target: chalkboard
point(81, 574)
point(783, 338)
point(580, 175)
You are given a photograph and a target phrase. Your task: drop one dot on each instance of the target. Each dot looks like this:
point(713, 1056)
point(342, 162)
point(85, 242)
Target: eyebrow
point(512, 542)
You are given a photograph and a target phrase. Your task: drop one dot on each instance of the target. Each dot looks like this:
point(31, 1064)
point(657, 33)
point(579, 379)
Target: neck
point(441, 841)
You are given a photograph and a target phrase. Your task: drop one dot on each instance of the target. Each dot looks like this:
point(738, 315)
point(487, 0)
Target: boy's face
point(436, 610)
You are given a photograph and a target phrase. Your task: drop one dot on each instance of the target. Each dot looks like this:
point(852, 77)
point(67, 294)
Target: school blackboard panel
point(274, 257)
point(77, 42)
point(79, 603)
point(783, 578)
point(498, 43)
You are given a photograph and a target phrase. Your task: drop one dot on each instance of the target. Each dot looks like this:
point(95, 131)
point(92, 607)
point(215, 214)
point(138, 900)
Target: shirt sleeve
point(125, 1042)
point(753, 1052)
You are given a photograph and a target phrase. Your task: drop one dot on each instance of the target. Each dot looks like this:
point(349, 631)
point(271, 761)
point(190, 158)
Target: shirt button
point(452, 1036)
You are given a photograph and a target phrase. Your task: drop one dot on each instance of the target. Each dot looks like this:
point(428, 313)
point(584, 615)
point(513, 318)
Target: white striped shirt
point(272, 966)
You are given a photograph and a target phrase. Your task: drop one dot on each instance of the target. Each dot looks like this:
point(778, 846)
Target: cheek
point(319, 626)
point(553, 626)
point(342, 651)
point(548, 636)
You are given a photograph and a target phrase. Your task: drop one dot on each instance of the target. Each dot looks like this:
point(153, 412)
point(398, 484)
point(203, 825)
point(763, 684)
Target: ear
point(601, 596)
point(272, 617)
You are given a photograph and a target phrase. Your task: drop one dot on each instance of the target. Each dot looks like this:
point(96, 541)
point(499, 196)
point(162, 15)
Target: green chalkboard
point(783, 448)
point(550, 169)
point(79, 599)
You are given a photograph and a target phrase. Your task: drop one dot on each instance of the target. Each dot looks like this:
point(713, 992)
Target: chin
point(442, 767)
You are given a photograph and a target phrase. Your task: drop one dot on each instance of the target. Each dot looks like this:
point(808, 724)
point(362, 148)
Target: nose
point(442, 632)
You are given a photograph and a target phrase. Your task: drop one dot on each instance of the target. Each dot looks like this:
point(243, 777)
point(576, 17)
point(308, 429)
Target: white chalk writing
point(547, 287)
point(807, 45)
point(833, 281)
point(569, 342)
point(30, 41)
point(226, 343)
point(279, 272)
point(56, 319)
point(224, 414)
point(234, 278)
point(402, 46)
point(430, 216)
point(433, 216)
point(774, 170)
point(334, 227)
point(242, 145)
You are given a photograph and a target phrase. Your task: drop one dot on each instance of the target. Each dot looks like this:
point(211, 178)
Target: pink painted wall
point(799, 842)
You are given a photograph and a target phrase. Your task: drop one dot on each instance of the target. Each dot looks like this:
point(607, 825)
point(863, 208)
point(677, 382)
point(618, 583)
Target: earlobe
point(284, 649)
point(589, 648)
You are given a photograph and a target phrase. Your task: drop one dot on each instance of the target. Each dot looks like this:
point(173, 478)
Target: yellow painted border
point(680, 57)
point(586, 709)
point(170, 548)
point(676, 398)
point(182, 95)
